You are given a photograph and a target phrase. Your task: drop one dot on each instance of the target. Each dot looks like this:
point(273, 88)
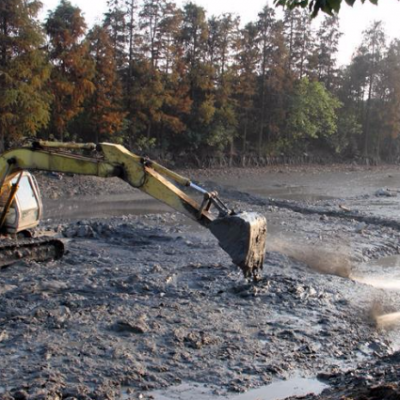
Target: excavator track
point(31, 249)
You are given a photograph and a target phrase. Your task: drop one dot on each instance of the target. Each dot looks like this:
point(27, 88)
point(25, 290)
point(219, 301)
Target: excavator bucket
point(243, 237)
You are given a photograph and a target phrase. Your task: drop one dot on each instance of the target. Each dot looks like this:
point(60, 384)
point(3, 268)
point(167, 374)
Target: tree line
point(176, 83)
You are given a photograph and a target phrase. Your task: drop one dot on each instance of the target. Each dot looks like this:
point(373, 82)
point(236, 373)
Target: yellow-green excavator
point(241, 234)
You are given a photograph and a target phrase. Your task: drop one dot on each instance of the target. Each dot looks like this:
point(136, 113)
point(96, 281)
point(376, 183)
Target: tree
point(151, 15)
point(275, 79)
point(246, 62)
point(24, 71)
point(115, 22)
point(373, 52)
point(72, 67)
point(299, 36)
point(266, 20)
point(312, 112)
point(194, 37)
point(388, 102)
point(177, 104)
point(326, 49)
point(279, 86)
point(221, 39)
point(104, 107)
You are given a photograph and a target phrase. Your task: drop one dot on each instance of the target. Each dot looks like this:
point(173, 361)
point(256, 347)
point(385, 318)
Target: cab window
point(26, 195)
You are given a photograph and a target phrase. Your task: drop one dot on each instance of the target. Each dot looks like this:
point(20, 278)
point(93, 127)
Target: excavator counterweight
point(241, 234)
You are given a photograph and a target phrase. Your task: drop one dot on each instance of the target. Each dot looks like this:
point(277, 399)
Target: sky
point(353, 20)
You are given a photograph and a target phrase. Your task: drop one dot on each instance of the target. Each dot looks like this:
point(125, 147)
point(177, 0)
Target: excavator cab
point(20, 203)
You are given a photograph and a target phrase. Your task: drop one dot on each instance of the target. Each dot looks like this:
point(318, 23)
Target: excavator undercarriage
point(30, 249)
point(241, 234)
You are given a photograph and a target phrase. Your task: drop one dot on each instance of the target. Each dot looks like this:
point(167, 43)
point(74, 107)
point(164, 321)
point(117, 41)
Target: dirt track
point(144, 302)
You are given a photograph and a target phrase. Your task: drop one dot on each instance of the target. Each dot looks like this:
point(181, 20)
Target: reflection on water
point(274, 391)
point(296, 193)
point(281, 390)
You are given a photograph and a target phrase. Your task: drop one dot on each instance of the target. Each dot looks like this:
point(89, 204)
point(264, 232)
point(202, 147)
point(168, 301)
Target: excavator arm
point(242, 235)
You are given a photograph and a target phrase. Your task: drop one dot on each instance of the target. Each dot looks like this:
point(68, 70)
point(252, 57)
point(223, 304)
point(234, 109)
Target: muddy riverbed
point(146, 305)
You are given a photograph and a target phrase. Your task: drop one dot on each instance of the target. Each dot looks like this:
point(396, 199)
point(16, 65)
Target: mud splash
point(388, 321)
point(378, 282)
point(320, 260)
point(381, 274)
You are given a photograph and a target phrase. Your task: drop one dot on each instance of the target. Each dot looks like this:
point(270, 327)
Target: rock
point(385, 193)
point(69, 233)
point(85, 231)
point(3, 336)
point(361, 227)
point(128, 327)
point(196, 340)
point(20, 395)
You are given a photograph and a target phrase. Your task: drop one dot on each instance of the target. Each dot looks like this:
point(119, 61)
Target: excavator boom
point(241, 235)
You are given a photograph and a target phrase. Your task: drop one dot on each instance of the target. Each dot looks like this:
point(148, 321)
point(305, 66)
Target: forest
point(176, 84)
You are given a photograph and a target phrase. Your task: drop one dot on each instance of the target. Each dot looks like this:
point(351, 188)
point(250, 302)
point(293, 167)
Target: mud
point(142, 303)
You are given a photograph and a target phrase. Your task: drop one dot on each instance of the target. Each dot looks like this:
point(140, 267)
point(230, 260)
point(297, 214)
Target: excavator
point(241, 234)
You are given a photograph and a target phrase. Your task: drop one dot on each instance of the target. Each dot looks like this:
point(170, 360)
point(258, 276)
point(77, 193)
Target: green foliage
point(312, 112)
point(343, 141)
point(145, 144)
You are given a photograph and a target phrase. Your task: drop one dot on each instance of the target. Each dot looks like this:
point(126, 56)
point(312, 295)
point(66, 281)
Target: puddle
point(296, 193)
point(281, 390)
point(274, 391)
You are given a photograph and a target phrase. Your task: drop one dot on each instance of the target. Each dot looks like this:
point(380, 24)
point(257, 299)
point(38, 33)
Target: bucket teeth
point(243, 237)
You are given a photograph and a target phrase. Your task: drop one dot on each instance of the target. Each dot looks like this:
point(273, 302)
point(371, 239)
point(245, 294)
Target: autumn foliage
point(174, 82)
